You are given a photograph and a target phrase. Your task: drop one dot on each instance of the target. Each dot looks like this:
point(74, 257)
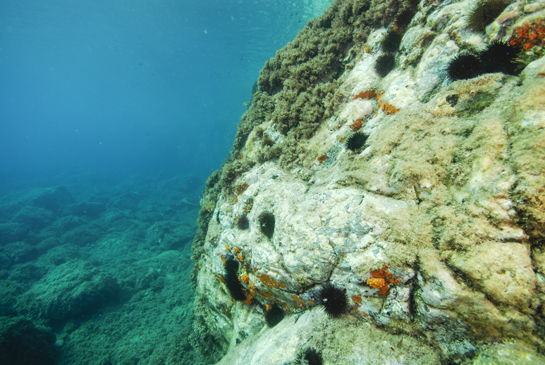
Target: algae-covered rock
point(73, 290)
point(432, 226)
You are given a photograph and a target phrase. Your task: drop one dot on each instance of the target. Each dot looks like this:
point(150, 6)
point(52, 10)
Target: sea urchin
point(243, 222)
point(334, 300)
point(484, 13)
point(464, 67)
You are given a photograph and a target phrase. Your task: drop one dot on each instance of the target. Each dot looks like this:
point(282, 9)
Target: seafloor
point(98, 273)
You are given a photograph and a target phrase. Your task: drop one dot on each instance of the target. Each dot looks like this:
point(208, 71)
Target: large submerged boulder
point(418, 194)
point(72, 291)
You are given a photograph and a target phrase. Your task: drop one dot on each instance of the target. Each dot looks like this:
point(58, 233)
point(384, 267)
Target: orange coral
point(236, 249)
point(356, 125)
point(299, 303)
point(227, 248)
point(248, 299)
point(271, 283)
point(241, 188)
point(369, 94)
point(357, 299)
point(322, 158)
point(388, 108)
point(529, 35)
point(240, 257)
point(245, 278)
point(381, 278)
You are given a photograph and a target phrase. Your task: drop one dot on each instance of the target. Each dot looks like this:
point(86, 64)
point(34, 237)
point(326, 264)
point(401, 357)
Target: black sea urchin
point(243, 222)
point(464, 67)
point(484, 13)
point(310, 357)
point(391, 41)
point(231, 279)
point(274, 315)
point(500, 57)
point(385, 63)
point(266, 223)
point(334, 300)
point(356, 141)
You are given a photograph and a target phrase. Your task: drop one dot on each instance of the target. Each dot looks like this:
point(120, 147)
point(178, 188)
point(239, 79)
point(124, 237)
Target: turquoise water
point(112, 115)
point(124, 87)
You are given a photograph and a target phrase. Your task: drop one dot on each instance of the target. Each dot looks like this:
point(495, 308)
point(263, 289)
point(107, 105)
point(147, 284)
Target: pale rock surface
point(436, 194)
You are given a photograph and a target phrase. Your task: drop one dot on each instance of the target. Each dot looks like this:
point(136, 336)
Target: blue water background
point(130, 87)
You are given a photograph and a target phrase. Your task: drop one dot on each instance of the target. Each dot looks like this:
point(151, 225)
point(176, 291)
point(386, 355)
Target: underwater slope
point(384, 200)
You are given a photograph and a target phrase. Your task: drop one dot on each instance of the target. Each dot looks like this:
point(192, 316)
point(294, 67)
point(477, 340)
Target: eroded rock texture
point(442, 205)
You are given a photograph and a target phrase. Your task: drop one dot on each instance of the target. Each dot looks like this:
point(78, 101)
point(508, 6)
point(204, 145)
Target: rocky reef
point(418, 197)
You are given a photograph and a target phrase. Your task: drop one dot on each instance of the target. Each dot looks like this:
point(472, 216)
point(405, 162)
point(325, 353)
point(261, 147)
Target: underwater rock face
point(435, 229)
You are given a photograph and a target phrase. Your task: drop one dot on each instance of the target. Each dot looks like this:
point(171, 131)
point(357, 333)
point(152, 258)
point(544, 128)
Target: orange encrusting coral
point(369, 94)
point(248, 299)
point(381, 278)
point(322, 158)
point(388, 108)
point(379, 283)
point(529, 35)
point(356, 125)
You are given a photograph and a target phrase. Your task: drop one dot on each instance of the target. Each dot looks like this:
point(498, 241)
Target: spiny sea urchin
point(231, 279)
point(384, 64)
point(356, 141)
point(500, 57)
point(243, 222)
point(391, 41)
point(484, 13)
point(310, 357)
point(266, 223)
point(274, 315)
point(464, 67)
point(334, 300)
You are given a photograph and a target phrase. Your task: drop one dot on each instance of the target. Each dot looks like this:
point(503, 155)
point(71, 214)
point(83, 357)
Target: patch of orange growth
point(236, 249)
point(388, 108)
point(241, 156)
point(369, 94)
point(310, 302)
point(341, 139)
point(357, 299)
point(224, 259)
point(271, 283)
point(236, 199)
point(265, 294)
point(248, 299)
point(530, 35)
point(381, 278)
point(227, 248)
point(240, 257)
point(252, 285)
point(221, 278)
point(268, 307)
point(356, 125)
point(241, 188)
point(245, 278)
point(322, 158)
point(299, 303)
point(255, 269)
point(367, 49)
point(252, 291)
point(379, 283)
